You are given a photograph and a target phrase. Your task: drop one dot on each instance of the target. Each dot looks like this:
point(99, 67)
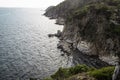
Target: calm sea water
point(25, 49)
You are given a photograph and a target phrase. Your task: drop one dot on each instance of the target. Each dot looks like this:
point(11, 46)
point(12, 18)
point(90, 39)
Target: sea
point(26, 51)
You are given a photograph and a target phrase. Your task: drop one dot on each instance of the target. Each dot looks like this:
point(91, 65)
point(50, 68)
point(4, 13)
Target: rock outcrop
point(58, 34)
point(60, 21)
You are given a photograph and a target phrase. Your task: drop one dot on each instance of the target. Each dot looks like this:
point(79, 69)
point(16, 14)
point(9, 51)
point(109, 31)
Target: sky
point(29, 3)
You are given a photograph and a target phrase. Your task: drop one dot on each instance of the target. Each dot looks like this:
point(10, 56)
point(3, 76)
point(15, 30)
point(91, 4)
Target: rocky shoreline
point(79, 56)
point(58, 34)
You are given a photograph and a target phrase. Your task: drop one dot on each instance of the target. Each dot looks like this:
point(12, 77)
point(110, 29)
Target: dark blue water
point(25, 49)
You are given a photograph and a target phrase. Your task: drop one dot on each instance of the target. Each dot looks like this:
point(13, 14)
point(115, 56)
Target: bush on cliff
point(33, 79)
point(63, 73)
point(48, 78)
point(72, 72)
point(79, 69)
point(117, 29)
point(103, 73)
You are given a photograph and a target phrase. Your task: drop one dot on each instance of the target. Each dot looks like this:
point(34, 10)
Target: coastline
point(79, 57)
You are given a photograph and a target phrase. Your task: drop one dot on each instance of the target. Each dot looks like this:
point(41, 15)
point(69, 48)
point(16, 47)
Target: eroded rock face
point(109, 59)
point(65, 47)
point(81, 56)
point(84, 47)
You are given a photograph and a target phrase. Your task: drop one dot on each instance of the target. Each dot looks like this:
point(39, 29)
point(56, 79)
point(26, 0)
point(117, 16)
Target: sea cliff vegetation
point(82, 72)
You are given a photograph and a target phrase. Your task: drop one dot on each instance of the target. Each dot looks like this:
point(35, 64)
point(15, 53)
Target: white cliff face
point(84, 47)
point(109, 59)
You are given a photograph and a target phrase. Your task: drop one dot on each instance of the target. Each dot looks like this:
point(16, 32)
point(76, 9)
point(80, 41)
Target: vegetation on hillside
point(74, 72)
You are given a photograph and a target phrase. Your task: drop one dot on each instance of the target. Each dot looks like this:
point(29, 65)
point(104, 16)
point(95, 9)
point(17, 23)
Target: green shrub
point(78, 69)
point(112, 30)
point(103, 73)
point(117, 29)
point(79, 13)
point(33, 79)
point(113, 2)
point(48, 78)
point(62, 73)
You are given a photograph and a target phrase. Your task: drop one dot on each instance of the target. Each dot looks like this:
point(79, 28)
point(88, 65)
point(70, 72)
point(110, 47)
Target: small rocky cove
point(91, 34)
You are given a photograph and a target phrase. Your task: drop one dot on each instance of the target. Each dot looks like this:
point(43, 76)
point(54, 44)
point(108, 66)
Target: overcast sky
point(29, 3)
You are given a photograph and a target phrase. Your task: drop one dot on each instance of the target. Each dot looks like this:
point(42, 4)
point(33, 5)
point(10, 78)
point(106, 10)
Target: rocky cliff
point(65, 7)
point(91, 26)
